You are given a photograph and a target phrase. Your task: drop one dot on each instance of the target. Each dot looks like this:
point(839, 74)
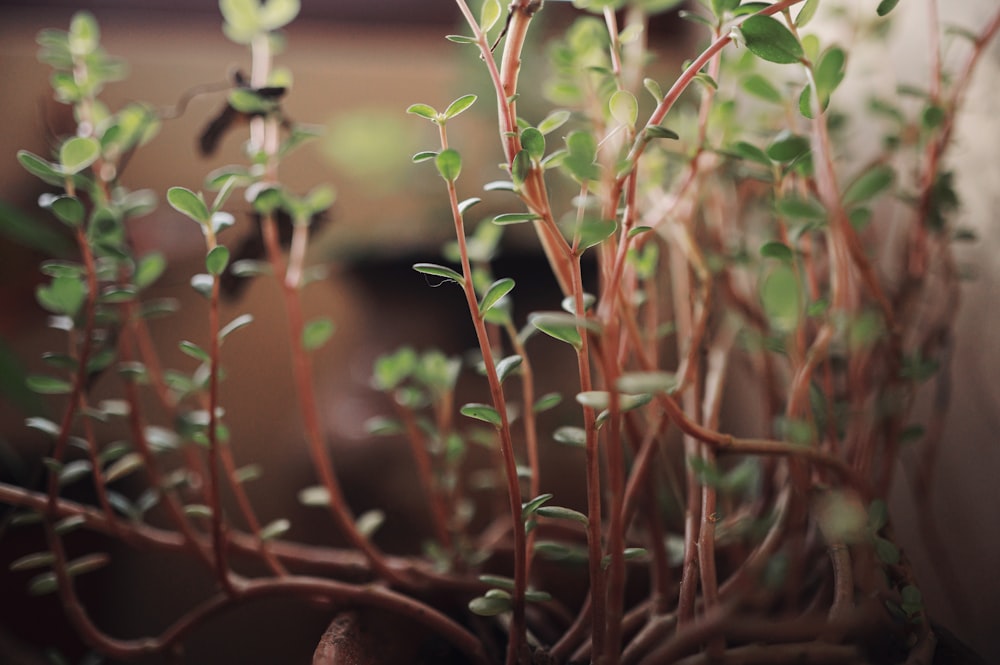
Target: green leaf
point(515, 218)
point(558, 325)
point(653, 88)
point(520, 168)
point(533, 141)
point(489, 14)
point(570, 436)
point(74, 471)
point(750, 152)
point(234, 325)
point(594, 231)
point(466, 204)
point(314, 496)
point(582, 155)
point(483, 412)
point(494, 293)
point(528, 508)
point(659, 132)
point(886, 6)
point(806, 13)
point(595, 399)
point(561, 513)
point(498, 581)
point(149, 269)
point(32, 561)
point(84, 35)
point(43, 584)
point(461, 39)
point(769, 40)
point(369, 522)
point(123, 466)
point(546, 402)
point(553, 121)
point(423, 156)
point(185, 201)
point(761, 87)
point(40, 168)
point(316, 333)
point(720, 7)
point(886, 551)
point(203, 284)
point(637, 383)
point(533, 596)
point(193, 350)
point(459, 105)
point(488, 607)
point(777, 250)
point(65, 295)
point(274, 529)
point(507, 365)
point(796, 208)
point(217, 259)
point(624, 107)
point(382, 426)
point(438, 271)
point(869, 184)
point(68, 524)
point(78, 153)
point(788, 147)
point(276, 14)
point(780, 294)
point(449, 164)
point(68, 209)
point(424, 111)
point(827, 75)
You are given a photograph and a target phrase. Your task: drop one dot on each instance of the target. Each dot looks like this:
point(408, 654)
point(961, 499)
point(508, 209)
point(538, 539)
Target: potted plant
point(705, 240)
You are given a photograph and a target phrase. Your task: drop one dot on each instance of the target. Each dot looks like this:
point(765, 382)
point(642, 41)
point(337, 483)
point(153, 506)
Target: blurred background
point(357, 66)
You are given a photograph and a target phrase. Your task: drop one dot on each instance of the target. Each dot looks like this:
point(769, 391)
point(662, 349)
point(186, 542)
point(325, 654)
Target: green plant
point(727, 240)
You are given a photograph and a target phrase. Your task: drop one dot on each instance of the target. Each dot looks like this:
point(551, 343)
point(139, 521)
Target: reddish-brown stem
point(151, 466)
point(718, 359)
point(517, 625)
point(504, 81)
point(100, 488)
point(308, 588)
point(302, 369)
point(425, 473)
point(214, 481)
point(685, 79)
point(598, 619)
point(530, 431)
point(616, 521)
point(253, 524)
point(86, 346)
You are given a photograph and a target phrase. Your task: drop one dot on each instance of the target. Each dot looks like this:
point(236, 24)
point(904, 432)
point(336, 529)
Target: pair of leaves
point(245, 19)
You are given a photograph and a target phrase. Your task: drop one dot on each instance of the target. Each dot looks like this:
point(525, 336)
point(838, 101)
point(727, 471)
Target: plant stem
point(517, 625)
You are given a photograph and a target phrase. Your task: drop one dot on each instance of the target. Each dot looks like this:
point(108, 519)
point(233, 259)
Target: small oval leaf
point(488, 607)
point(561, 513)
point(184, 201)
point(438, 271)
point(449, 164)
point(217, 259)
point(424, 111)
point(769, 40)
point(316, 333)
point(494, 293)
point(78, 153)
point(459, 105)
point(483, 412)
